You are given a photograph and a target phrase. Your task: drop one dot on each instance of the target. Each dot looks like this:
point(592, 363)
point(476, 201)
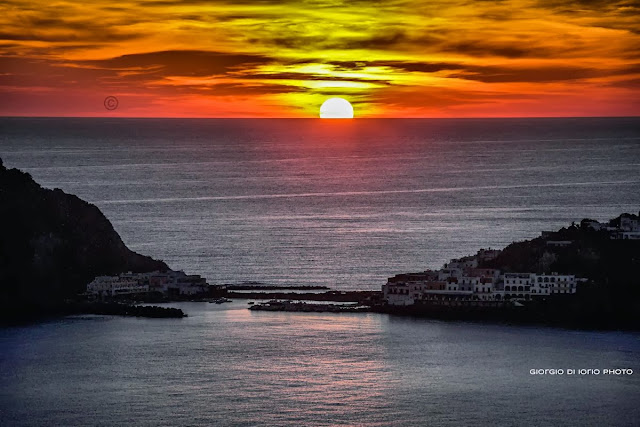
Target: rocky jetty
point(53, 244)
point(305, 307)
point(362, 297)
point(119, 309)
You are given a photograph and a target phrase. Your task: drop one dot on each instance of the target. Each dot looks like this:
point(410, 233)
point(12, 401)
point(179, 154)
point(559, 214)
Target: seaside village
point(168, 283)
point(462, 280)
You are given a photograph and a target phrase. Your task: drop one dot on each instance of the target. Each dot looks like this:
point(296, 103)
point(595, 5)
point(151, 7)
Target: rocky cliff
point(53, 243)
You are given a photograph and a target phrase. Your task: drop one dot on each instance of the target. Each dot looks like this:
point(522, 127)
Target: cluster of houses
point(462, 279)
point(168, 283)
point(625, 227)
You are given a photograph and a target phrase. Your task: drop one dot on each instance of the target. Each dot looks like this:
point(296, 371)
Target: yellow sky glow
point(283, 58)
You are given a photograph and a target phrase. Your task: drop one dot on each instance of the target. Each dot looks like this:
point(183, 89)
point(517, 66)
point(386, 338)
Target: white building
point(406, 289)
point(629, 223)
point(554, 283)
point(626, 235)
point(448, 273)
point(401, 294)
point(177, 283)
point(484, 255)
point(115, 285)
point(166, 282)
point(462, 263)
point(483, 281)
point(517, 285)
point(398, 294)
point(190, 284)
point(540, 288)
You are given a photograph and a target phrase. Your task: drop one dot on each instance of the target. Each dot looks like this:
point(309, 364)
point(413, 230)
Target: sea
point(344, 204)
point(338, 203)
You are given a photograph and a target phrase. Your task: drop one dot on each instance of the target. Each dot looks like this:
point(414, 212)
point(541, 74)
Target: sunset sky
point(267, 58)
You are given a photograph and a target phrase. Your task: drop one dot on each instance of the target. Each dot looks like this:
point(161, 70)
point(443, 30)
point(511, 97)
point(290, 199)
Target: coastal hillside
point(601, 253)
point(53, 243)
point(586, 275)
point(585, 249)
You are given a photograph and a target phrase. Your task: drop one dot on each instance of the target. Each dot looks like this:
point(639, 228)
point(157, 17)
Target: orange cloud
point(395, 58)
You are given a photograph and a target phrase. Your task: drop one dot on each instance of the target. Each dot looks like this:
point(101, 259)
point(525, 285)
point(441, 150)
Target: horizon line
point(317, 118)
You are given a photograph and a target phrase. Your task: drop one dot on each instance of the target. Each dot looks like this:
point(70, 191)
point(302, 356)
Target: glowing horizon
point(404, 59)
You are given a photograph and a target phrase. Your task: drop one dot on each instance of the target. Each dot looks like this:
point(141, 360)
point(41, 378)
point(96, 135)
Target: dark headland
point(51, 245)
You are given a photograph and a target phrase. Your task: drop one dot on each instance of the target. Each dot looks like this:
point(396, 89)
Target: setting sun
point(336, 108)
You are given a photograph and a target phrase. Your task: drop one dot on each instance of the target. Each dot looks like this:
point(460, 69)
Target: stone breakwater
point(129, 310)
point(308, 307)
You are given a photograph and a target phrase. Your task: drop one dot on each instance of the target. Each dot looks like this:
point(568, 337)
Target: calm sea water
point(228, 366)
point(342, 204)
